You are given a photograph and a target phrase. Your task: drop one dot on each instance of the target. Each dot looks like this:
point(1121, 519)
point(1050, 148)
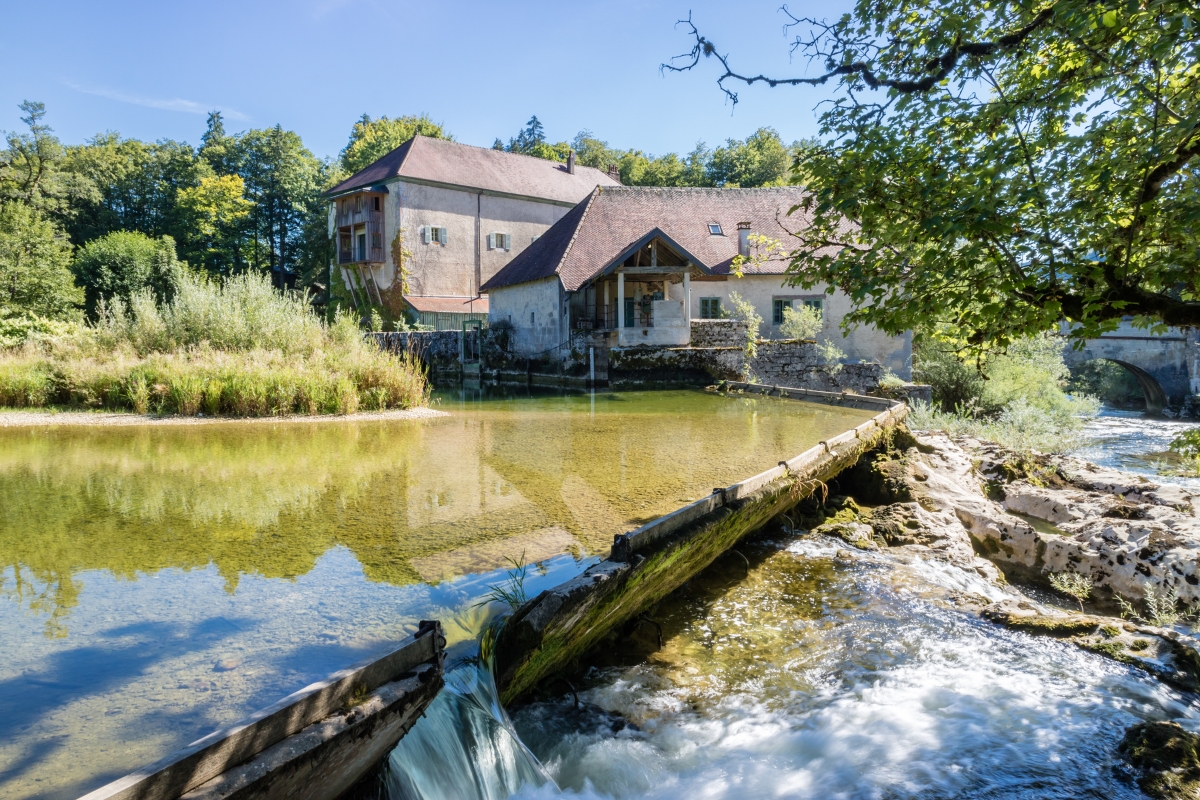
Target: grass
point(1021, 426)
point(239, 348)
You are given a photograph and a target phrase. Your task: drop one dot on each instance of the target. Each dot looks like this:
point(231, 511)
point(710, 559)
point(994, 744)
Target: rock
point(856, 534)
point(909, 524)
point(1167, 757)
point(1127, 533)
point(1161, 653)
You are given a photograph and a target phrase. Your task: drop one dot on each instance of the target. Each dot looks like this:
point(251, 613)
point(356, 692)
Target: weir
point(550, 632)
point(320, 742)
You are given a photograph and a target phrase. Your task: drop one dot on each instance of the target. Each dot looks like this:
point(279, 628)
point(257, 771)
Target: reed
point(238, 349)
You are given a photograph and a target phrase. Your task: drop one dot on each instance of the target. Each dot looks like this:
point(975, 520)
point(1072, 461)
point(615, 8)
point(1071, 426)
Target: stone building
point(638, 265)
point(462, 212)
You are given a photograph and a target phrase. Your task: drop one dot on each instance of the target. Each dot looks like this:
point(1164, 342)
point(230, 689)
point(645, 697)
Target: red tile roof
point(441, 161)
point(452, 305)
point(600, 228)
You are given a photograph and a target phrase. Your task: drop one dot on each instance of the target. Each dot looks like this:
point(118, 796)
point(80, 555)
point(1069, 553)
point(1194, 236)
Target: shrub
point(240, 348)
point(123, 263)
point(804, 322)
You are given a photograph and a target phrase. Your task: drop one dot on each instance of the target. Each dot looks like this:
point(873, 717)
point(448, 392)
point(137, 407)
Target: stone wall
point(718, 333)
point(797, 364)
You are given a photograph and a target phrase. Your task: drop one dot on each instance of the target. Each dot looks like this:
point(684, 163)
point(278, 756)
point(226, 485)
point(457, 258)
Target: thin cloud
point(177, 104)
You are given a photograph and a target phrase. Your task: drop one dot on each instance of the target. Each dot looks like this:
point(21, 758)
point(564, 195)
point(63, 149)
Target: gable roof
point(604, 226)
point(441, 161)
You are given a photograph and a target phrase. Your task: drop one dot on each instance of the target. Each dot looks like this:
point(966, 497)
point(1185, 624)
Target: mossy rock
point(1167, 757)
point(855, 534)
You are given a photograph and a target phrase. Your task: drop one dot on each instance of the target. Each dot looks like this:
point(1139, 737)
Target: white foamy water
point(1131, 441)
point(866, 683)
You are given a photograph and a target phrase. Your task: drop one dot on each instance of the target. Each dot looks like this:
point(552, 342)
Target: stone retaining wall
point(718, 333)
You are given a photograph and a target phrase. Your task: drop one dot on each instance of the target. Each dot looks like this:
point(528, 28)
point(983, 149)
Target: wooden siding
point(358, 210)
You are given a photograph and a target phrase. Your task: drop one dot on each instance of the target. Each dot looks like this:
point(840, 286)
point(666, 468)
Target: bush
point(237, 348)
point(36, 284)
point(123, 263)
point(804, 322)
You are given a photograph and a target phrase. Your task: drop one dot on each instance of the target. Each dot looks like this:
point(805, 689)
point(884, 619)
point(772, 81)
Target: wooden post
point(606, 304)
point(620, 305)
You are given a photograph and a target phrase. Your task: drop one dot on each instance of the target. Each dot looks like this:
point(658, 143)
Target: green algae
point(1167, 758)
point(528, 652)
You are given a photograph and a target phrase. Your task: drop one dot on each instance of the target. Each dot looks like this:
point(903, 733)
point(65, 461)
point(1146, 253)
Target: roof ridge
point(578, 227)
point(506, 152)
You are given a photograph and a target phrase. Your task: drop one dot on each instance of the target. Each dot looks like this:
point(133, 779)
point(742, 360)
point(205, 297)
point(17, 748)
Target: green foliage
point(238, 347)
point(762, 159)
point(371, 139)
point(744, 312)
point(804, 322)
point(1107, 382)
point(1005, 166)
point(511, 593)
point(1020, 426)
point(1073, 585)
point(124, 263)
point(215, 211)
point(35, 274)
point(1187, 444)
point(29, 164)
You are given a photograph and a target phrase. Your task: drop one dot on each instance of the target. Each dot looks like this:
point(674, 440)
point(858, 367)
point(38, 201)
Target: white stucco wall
point(861, 344)
point(541, 334)
point(459, 267)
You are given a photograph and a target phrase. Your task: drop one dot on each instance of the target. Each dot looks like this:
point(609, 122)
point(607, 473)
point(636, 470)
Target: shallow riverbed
point(158, 582)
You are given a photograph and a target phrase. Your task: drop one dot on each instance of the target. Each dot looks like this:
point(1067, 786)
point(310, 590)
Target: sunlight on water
point(159, 582)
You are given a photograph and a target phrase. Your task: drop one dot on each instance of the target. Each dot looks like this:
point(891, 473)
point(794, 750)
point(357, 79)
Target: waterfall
point(464, 749)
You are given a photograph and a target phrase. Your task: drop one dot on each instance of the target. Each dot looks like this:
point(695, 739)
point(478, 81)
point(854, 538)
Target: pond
point(158, 582)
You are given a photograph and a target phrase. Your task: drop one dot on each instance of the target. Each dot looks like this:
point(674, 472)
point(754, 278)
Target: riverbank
point(36, 418)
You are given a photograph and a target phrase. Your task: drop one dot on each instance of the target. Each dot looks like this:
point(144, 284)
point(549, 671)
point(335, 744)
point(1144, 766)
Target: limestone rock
point(1167, 757)
point(1127, 533)
point(856, 534)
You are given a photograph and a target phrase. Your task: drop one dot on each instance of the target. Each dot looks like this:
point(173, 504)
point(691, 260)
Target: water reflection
point(163, 581)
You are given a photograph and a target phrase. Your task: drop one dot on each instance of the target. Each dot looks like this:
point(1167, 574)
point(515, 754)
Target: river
point(159, 582)
point(813, 675)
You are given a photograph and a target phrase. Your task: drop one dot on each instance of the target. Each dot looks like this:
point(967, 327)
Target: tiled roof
point(441, 161)
point(601, 227)
point(452, 305)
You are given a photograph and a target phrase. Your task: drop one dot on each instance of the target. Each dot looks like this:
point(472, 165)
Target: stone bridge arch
point(1162, 364)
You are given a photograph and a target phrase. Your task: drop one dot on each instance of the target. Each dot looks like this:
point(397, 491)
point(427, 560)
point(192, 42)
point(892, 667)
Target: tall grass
point(239, 348)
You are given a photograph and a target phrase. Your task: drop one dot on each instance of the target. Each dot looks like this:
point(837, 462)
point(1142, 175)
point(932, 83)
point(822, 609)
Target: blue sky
point(153, 69)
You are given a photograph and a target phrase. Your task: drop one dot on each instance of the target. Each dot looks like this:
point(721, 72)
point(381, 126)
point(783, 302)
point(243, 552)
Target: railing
point(605, 319)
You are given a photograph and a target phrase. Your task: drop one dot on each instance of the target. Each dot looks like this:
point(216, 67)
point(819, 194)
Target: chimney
point(744, 239)
point(614, 172)
point(571, 162)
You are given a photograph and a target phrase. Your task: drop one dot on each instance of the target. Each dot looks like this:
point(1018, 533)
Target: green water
point(158, 582)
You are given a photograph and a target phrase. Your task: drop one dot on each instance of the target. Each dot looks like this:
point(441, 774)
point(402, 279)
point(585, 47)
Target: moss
point(1046, 625)
point(1110, 631)
point(525, 656)
point(1139, 645)
point(1167, 757)
point(1113, 649)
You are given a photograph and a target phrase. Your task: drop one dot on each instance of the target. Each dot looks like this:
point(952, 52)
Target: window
point(778, 306)
point(815, 302)
point(531, 313)
point(499, 241)
point(710, 308)
point(434, 235)
point(357, 203)
point(715, 229)
point(375, 203)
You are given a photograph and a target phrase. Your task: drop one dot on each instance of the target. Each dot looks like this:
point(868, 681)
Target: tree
point(30, 165)
point(371, 139)
point(35, 265)
point(761, 160)
point(132, 185)
point(283, 181)
point(123, 263)
point(1002, 166)
point(214, 213)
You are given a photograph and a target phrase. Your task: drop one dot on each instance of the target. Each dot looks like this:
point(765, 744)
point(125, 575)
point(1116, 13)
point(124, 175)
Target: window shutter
point(443, 236)
point(508, 241)
point(491, 244)
point(426, 234)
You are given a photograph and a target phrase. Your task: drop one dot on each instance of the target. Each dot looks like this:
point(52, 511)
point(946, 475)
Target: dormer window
point(715, 229)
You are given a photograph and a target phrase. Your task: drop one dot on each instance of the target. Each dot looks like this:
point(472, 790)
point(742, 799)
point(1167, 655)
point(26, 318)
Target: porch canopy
point(634, 289)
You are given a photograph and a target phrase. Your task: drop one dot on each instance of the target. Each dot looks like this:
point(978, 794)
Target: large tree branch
point(937, 67)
